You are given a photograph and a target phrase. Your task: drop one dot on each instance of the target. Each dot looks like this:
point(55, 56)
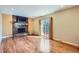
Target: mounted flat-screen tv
point(21, 19)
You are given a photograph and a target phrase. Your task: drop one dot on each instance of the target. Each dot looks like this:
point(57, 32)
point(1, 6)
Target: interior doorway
point(44, 42)
point(44, 27)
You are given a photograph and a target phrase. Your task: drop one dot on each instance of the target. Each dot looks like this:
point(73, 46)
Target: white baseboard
point(66, 42)
point(6, 36)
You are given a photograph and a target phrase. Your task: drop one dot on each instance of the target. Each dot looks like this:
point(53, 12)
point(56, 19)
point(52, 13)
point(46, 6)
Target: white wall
point(0, 27)
point(66, 25)
point(36, 27)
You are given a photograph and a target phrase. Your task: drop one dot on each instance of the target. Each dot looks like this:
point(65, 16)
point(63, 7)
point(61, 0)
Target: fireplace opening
point(21, 30)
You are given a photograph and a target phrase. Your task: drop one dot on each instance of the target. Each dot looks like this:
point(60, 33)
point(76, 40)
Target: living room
point(40, 29)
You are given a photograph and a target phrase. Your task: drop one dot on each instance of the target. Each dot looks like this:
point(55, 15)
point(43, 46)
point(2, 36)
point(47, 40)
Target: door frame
point(51, 28)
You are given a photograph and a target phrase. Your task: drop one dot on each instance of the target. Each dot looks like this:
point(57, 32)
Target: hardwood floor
point(21, 44)
point(30, 44)
point(61, 47)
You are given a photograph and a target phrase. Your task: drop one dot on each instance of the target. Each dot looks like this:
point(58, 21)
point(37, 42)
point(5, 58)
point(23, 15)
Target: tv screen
point(21, 19)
